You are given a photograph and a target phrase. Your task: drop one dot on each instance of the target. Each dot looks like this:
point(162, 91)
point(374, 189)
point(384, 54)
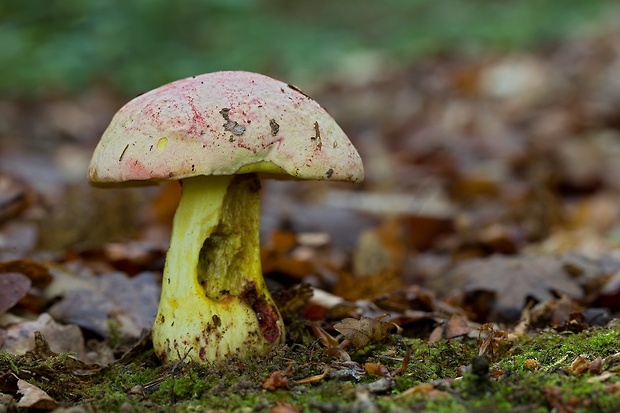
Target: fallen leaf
point(596, 366)
point(364, 331)
point(490, 340)
point(410, 298)
point(579, 365)
point(62, 339)
point(512, 280)
point(563, 314)
point(376, 369)
point(13, 287)
point(34, 398)
point(94, 302)
point(276, 380)
point(324, 337)
point(456, 326)
point(37, 273)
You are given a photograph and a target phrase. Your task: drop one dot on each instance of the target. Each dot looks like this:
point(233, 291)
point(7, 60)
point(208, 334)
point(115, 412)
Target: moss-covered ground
point(537, 373)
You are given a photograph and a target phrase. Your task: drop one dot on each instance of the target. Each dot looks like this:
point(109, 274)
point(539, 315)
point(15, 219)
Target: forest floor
point(477, 268)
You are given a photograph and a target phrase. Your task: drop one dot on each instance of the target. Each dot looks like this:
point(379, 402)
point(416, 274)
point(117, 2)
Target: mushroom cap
point(223, 123)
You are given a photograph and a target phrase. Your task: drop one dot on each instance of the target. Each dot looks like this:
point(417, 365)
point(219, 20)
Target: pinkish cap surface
point(218, 123)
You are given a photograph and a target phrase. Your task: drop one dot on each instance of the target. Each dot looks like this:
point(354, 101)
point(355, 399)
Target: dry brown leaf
point(63, 339)
point(513, 279)
point(560, 313)
point(34, 398)
point(579, 365)
point(376, 369)
point(37, 273)
point(596, 366)
point(490, 340)
point(324, 337)
point(456, 326)
point(364, 331)
point(276, 380)
point(13, 287)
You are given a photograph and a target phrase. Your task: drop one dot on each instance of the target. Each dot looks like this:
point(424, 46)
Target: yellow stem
point(214, 303)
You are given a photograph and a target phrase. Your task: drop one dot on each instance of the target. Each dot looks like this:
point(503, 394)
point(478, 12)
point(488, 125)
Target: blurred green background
point(63, 46)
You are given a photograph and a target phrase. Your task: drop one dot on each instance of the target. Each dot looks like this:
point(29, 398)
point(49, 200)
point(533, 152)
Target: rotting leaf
point(13, 287)
point(364, 331)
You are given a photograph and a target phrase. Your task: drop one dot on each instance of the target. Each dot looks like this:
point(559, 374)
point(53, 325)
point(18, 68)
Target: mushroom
point(218, 133)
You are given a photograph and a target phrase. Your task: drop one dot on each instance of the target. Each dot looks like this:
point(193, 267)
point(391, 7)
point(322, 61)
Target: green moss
point(237, 386)
point(7, 362)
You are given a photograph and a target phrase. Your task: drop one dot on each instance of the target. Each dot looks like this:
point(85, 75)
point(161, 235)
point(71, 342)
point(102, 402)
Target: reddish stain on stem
point(266, 313)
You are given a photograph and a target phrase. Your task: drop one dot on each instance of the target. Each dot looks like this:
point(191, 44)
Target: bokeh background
point(444, 100)
point(71, 46)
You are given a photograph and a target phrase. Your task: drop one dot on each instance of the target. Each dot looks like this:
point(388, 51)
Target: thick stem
point(214, 303)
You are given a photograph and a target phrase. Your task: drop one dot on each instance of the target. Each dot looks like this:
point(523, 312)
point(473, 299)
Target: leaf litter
point(487, 225)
